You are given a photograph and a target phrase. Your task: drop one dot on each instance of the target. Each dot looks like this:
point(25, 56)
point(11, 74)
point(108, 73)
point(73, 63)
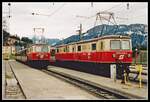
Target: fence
point(142, 58)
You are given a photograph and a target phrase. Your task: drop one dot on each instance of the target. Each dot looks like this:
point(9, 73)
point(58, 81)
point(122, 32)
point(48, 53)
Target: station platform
point(38, 85)
point(129, 89)
point(3, 79)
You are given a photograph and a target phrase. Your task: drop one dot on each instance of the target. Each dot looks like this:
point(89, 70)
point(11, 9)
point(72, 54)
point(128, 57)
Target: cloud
point(63, 21)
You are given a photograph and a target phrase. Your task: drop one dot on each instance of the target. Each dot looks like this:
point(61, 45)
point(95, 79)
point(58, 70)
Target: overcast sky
point(62, 21)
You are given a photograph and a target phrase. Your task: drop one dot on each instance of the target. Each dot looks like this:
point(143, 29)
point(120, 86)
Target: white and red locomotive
point(36, 55)
point(96, 55)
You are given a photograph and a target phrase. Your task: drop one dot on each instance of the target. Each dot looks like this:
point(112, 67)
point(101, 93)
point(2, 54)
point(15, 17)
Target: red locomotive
point(36, 55)
point(96, 55)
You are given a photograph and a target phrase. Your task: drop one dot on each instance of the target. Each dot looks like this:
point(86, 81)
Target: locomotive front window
point(42, 49)
point(115, 44)
point(125, 45)
point(38, 49)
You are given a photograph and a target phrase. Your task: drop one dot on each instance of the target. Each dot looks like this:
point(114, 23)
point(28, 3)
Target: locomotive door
point(52, 58)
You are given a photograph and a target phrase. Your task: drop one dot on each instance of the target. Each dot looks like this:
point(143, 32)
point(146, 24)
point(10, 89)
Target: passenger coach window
point(115, 44)
point(79, 48)
point(94, 46)
point(125, 45)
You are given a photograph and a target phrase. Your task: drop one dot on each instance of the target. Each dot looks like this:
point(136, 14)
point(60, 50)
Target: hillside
point(52, 41)
point(137, 32)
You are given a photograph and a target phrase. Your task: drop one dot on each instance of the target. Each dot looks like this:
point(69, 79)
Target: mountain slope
point(137, 32)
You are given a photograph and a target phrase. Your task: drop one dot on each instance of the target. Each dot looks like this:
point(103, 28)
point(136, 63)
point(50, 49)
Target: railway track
point(133, 73)
point(131, 77)
point(93, 88)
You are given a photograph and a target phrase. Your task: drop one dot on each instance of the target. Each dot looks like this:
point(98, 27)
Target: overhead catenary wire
point(57, 9)
point(107, 10)
point(51, 13)
point(116, 6)
point(100, 17)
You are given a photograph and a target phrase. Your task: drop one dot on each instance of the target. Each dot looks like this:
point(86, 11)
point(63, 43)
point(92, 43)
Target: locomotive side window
point(64, 50)
point(73, 49)
point(102, 45)
point(125, 45)
point(57, 50)
point(94, 46)
point(115, 44)
point(79, 48)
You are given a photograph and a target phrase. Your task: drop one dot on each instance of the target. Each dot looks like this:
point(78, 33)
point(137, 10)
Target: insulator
point(128, 6)
point(91, 4)
point(9, 4)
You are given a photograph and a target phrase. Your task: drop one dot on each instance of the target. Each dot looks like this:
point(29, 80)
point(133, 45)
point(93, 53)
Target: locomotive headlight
point(129, 55)
point(113, 55)
point(41, 56)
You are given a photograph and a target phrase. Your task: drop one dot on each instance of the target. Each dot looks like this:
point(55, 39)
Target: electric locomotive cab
point(38, 55)
point(122, 53)
point(122, 49)
point(39, 52)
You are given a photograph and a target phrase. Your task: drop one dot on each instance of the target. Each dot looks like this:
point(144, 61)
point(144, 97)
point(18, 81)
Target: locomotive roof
point(95, 39)
point(29, 46)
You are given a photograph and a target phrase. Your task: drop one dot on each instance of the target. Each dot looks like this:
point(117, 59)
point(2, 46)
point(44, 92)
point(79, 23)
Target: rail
point(91, 87)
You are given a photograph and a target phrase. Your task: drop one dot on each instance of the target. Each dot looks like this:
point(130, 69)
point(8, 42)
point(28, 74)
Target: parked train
point(96, 55)
point(35, 55)
point(92, 56)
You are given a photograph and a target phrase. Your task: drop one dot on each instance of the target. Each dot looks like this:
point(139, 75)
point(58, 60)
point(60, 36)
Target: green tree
point(26, 40)
point(5, 36)
point(15, 37)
